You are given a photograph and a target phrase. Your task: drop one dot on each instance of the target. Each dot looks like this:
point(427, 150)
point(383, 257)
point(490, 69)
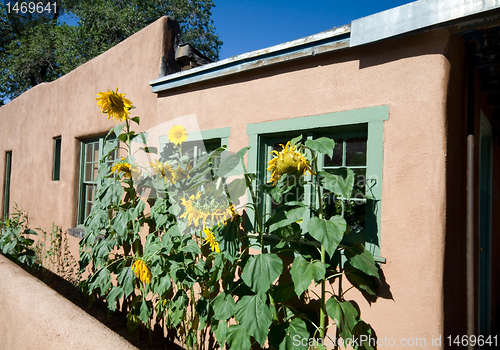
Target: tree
point(38, 47)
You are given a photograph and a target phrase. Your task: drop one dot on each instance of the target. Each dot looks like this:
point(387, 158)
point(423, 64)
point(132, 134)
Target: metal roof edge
point(414, 16)
point(326, 41)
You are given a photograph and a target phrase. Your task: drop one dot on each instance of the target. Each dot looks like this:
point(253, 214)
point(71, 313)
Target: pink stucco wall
point(409, 75)
point(36, 317)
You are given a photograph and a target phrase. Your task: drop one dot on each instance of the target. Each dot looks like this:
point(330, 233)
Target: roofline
point(397, 21)
point(413, 17)
point(326, 41)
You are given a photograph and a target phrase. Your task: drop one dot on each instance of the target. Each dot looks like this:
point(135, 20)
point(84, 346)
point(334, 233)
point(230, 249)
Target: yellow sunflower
point(202, 207)
point(163, 169)
point(288, 161)
point(180, 173)
point(126, 168)
point(177, 134)
point(214, 245)
point(114, 104)
point(142, 271)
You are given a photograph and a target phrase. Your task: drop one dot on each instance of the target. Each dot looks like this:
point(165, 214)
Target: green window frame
point(90, 155)
point(56, 169)
point(6, 194)
point(365, 122)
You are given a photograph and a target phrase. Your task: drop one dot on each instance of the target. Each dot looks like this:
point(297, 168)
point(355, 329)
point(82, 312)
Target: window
point(198, 143)
point(56, 169)
point(6, 194)
point(91, 154)
point(358, 136)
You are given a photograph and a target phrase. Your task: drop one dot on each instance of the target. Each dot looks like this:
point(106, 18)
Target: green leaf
point(126, 280)
point(365, 330)
point(123, 137)
point(135, 120)
point(191, 247)
point(290, 216)
point(223, 306)
point(344, 314)
point(283, 292)
point(236, 189)
point(220, 331)
point(262, 270)
point(233, 164)
point(255, 316)
point(161, 284)
point(362, 259)
point(361, 280)
point(202, 310)
point(328, 232)
point(238, 338)
point(303, 272)
point(341, 182)
point(296, 329)
point(141, 137)
point(323, 145)
point(149, 149)
point(334, 310)
point(296, 139)
point(113, 296)
point(146, 312)
point(117, 130)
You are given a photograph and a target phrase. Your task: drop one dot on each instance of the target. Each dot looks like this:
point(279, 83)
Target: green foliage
point(169, 244)
point(14, 238)
point(36, 48)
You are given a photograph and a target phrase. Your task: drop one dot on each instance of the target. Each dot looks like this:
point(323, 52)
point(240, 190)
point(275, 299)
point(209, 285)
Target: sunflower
point(203, 207)
point(181, 173)
point(114, 104)
point(142, 271)
point(177, 134)
point(163, 169)
point(125, 167)
point(288, 161)
point(214, 245)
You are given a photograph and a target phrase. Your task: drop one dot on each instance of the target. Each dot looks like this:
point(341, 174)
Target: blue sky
point(247, 25)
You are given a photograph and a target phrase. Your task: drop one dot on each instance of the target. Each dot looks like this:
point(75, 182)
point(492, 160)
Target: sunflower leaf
point(323, 145)
point(296, 139)
point(328, 232)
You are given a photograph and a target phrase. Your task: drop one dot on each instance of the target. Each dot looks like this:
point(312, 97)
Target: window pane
point(359, 183)
point(88, 172)
point(88, 209)
point(56, 171)
point(355, 152)
point(90, 193)
point(336, 160)
point(353, 211)
point(96, 152)
point(88, 152)
point(95, 168)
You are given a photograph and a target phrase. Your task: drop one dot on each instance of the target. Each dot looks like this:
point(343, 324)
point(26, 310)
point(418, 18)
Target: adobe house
point(414, 90)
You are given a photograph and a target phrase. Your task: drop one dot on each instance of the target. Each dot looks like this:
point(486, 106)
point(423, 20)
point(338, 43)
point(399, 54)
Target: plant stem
point(322, 312)
point(275, 315)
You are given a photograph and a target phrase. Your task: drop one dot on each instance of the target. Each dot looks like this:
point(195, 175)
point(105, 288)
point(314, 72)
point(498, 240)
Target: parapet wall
point(33, 316)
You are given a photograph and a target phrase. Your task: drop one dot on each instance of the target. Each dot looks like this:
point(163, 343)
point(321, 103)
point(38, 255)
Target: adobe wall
point(36, 317)
point(410, 75)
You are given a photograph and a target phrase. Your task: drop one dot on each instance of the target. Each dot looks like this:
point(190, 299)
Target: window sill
point(76, 232)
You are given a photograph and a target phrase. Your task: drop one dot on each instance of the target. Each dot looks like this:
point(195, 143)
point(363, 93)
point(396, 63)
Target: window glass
point(91, 155)
point(56, 171)
point(349, 152)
